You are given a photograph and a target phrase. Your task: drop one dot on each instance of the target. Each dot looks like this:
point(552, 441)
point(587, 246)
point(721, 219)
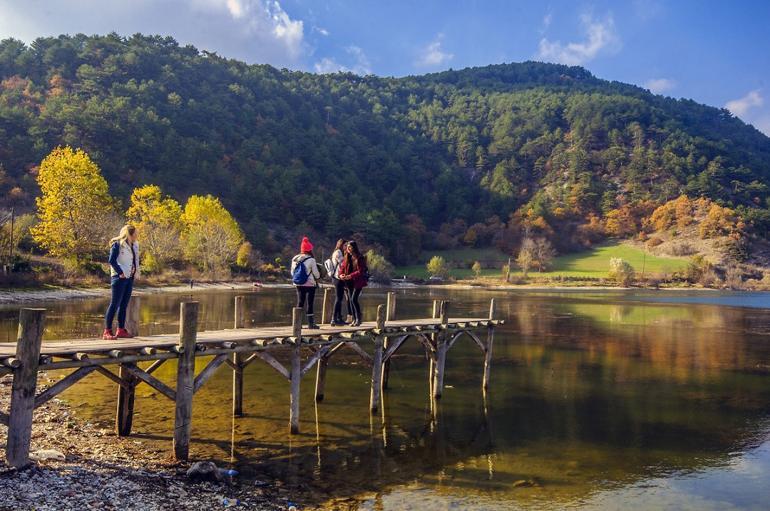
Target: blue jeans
point(121, 294)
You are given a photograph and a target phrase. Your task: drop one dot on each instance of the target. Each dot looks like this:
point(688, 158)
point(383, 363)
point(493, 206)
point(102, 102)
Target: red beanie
point(306, 246)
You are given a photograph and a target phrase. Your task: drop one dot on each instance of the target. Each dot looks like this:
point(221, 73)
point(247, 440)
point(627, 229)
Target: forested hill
point(403, 162)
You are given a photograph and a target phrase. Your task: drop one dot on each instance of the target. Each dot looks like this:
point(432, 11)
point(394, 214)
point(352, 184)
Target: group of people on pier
point(346, 268)
point(348, 272)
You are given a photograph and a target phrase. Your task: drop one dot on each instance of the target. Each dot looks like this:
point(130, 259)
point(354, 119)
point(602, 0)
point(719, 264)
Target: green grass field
point(593, 263)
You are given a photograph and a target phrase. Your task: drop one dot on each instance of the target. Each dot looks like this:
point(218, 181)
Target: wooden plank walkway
point(235, 348)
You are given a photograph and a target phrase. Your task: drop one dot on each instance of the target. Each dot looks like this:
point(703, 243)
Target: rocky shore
point(81, 465)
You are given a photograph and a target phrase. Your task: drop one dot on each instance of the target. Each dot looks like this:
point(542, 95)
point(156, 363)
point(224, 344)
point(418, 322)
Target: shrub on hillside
point(380, 268)
point(621, 271)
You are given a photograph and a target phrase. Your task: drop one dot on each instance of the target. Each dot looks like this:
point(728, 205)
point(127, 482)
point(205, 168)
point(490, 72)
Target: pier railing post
point(389, 316)
point(441, 349)
point(296, 369)
point(432, 355)
point(124, 415)
point(374, 396)
point(185, 377)
point(490, 341)
point(29, 340)
point(239, 322)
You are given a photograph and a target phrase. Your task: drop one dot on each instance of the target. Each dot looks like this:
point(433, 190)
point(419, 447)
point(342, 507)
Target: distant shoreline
point(21, 296)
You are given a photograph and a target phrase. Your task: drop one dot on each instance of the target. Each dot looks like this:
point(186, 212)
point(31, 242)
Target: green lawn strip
point(593, 263)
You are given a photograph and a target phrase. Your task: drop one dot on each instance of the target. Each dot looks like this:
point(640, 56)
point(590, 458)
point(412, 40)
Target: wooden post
point(296, 369)
point(185, 377)
point(389, 316)
point(239, 322)
point(29, 340)
point(320, 378)
point(508, 272)
point(441, 349)
point(132, 315)
point(432, 355)
point(325, 307)
point(374, 396)
point(488, 350)
point(124, 415)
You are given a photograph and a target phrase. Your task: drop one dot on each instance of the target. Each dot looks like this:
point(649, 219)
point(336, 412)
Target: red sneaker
point(107, 335)
point(123, 334)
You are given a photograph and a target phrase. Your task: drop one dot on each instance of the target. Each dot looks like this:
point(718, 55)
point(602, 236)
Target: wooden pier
point(235, 348)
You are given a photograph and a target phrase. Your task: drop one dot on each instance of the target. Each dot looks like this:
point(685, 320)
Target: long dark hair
point(356, 259)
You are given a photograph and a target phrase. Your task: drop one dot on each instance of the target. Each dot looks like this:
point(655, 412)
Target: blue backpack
point(300, 275)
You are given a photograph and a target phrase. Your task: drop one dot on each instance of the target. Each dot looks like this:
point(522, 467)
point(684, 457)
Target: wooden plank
point(188, 332)
point(390, 315)
point(393, 348)
point(112, 376)
point(320, 375)
point(133, 316)
point(490, 343)
point(296, 372)
point(151, 381)
point(239, 321)
point(62, 385)
point(361, 353)
point(207, 371)
point(151, 369)
point(29, 340)
point(325, 307)
point(441, 351)
point(315, 357)
point(271, 361)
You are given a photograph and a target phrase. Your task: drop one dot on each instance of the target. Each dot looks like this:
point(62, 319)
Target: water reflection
point(596, 401)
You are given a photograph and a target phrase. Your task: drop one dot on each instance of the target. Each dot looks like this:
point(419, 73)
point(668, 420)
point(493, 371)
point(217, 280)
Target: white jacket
point(337, 258)
point(125, 260)
point(313, 274)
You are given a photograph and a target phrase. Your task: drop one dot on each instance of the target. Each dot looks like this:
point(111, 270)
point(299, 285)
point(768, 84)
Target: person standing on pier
point(305, 276)
point(333, 265)
point(355, 273)
point(124, 267)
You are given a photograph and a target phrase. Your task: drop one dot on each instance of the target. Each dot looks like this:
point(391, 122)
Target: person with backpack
point(305, 276)
point(332, 266)
point(355, 273)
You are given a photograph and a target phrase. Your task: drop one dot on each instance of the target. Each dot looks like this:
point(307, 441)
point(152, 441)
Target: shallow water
point(599, 400)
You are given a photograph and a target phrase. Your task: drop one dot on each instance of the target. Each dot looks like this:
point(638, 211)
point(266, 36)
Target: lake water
point(598, 400)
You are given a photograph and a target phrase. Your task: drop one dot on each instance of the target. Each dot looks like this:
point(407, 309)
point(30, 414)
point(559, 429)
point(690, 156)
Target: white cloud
point(660, 85)
point(252, 30)
point(433, 55)
point(321, 31)
point(742, 106)
point(600, 37)
point(360, 64)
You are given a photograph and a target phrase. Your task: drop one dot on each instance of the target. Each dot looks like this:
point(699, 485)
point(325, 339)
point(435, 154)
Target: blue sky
point(716, 53)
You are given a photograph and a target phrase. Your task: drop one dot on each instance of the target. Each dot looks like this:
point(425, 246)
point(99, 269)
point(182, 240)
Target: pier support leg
point(389, 316)
point(124, 416)
point(296, 370)
point(377, 369)
point(31, 322)
point(488, 351)
point(188, 331)
point(320, 378)
point(239, 322)
point(325, 307)
point(238, 385)
point(441, 350)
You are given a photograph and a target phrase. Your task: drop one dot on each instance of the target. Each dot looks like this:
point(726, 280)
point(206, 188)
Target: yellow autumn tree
point(210, 236)
point(159, 223)
point(75, 211)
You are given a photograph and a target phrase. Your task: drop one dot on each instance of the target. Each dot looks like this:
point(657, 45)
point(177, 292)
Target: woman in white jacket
point(305, 276)
point(124, 267)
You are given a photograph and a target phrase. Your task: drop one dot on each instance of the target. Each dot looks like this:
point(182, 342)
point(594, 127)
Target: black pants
point(340, 293)
point(306, 293)
point(353, 295)
point(121, 295)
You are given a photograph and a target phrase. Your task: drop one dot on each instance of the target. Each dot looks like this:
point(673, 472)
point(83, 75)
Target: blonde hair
point(125, 231)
